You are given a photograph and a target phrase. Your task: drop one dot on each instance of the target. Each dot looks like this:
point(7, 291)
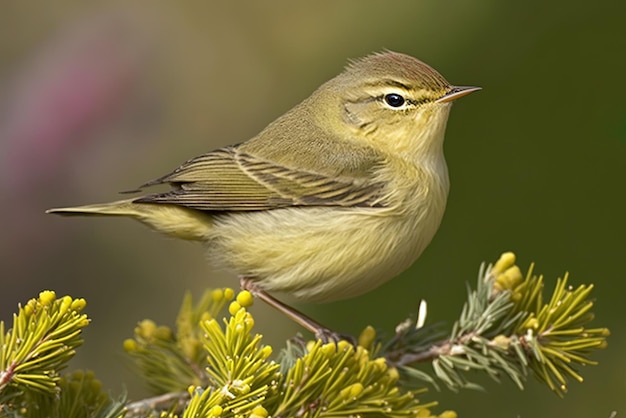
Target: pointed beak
point(456, 92)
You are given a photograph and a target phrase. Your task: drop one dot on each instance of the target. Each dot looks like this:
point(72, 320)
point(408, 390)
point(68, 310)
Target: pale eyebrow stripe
point(389, 82)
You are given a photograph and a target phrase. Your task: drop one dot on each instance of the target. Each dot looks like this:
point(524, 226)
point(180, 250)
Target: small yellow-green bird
point(332, 199)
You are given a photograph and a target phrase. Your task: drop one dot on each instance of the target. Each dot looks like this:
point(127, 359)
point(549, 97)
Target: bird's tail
point(118, 208)
point(177, 221)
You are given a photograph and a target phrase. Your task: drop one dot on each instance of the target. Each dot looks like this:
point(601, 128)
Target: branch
point(505, 328)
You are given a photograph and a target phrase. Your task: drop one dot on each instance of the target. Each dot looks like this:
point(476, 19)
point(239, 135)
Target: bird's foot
point(320, 331)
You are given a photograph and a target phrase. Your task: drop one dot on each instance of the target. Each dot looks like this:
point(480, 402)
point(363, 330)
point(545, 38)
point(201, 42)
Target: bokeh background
point(98, 97)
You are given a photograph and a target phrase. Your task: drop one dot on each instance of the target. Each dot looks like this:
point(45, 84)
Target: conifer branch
point(213, 364)
point(505, 328)
point(44, 336)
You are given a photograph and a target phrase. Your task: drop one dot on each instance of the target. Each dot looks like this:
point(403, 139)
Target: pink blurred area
point(66, 93)
point(66, 104)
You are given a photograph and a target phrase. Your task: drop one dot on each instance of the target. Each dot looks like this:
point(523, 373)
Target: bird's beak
point(456, 92)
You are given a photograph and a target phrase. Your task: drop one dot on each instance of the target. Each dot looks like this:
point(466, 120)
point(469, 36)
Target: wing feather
point(228, 179)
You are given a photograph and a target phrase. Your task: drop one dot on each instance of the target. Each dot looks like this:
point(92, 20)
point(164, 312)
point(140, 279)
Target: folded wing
point(229, 179)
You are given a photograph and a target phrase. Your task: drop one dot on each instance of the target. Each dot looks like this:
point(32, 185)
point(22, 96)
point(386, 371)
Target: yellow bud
point(229, 293)
point(245, 299)
point(96, 385)
point(344, 345)
point(28, 309)
point(422, 413)
point(259, 412)
point(361, 355)
point(514, 274)
point(47, 297)
point(130, 345)
point(217, 295)
point(448, 414)
point(532, 323)
point(266, 351)
point(380, 363)
point(234, 307)
point(79, 304)
point(216, 411)
point(393, 374)
point(66, 303)
point(502, 281)
point(163, 333)
point(367, 337)
point(501, 341)
point(509, 279)
point(249, 320)
point(243, 388)
point(328, 349)
point(241, 315)
point(352, 391)
point(505, 261)
point(146, 328)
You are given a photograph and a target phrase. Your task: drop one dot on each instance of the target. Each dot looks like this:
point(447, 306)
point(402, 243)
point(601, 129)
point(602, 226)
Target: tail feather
point(118, 208)
point(177, 221)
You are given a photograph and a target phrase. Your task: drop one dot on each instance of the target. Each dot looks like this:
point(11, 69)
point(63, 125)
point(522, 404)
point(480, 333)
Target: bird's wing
point(229, 179)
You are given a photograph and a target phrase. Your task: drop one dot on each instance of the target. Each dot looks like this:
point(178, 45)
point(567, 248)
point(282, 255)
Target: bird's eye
point(394, 100)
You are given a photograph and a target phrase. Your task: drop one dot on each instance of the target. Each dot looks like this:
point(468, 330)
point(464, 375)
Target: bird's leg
point(320, 331)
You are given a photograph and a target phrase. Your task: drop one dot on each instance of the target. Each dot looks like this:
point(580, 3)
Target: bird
point(332, 199)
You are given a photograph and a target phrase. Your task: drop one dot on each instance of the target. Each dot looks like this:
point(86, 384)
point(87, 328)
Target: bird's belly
point(319, 254)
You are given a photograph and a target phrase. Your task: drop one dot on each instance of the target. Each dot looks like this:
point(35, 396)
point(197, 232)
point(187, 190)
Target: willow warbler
point(332, 199)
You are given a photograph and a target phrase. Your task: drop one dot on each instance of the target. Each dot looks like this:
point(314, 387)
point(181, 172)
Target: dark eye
point(394, 100)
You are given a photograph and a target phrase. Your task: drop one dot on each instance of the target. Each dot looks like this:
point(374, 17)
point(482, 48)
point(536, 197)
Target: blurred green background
point(98, 97)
